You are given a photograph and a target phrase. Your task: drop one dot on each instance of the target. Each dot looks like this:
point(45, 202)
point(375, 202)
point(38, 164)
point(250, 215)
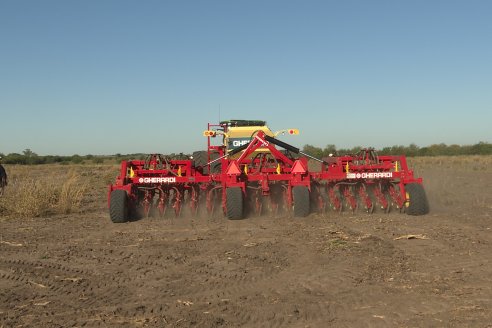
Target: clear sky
point(114, 76)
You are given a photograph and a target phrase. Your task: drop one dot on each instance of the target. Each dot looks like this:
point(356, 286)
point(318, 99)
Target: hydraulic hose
point(283, 144)
point(232, 152)
point(291, 148)
point(238, 149)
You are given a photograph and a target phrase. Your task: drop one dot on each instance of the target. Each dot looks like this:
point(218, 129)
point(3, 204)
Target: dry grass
point(44, 190)
point(71, 194)
point(30, 198)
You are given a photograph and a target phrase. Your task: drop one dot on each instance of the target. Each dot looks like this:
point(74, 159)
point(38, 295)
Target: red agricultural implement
point(251, 172)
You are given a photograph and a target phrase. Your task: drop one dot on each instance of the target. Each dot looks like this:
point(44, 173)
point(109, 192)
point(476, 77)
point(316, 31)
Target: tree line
point(28, 157)
point(481, 148)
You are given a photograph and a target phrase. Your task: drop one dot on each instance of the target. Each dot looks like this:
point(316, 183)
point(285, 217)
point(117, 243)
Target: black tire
point(417, 203)
point(200, 160)
point(234, 203)
point(216, 167)
point(118, 206)
point(300, 196)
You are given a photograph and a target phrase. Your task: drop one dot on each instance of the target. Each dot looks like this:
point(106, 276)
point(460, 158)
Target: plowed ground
point(338, 270)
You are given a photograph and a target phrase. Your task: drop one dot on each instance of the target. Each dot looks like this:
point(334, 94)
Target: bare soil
point(333, 270)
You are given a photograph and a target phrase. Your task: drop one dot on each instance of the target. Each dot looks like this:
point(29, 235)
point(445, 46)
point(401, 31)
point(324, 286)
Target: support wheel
point(200, 159)
point(216, 167)
point(416, 203)
point(234, 203)
point(118, 206)
point(301, 201)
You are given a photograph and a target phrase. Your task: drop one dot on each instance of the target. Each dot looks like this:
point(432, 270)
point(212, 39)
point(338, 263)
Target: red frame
point(143, 180)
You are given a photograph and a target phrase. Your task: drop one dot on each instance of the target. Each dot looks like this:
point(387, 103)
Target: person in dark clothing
point(3, 178)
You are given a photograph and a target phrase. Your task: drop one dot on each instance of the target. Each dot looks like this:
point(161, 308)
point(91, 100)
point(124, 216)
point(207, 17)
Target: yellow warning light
point(347, 168)
point(179, 171)
point(132, 173)
point(396, 166)
point(294, 131)
point(278, 169)
point(246, 169)
point(209, 133)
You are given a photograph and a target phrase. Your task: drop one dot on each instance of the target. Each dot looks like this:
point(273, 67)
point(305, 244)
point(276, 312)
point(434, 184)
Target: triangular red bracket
point(298, 168)
point(233, 169)
point(258, 141)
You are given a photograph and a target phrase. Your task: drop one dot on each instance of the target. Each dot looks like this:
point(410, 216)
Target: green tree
point(98, 160)
point(329, 149)
point(313, 151)
point(77, 159)
point(30, 156)
point(482, 148)
point(15, 158)
point(412, 150)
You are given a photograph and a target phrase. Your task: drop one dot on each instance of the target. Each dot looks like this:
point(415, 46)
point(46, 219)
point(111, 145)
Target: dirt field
point(336, 270)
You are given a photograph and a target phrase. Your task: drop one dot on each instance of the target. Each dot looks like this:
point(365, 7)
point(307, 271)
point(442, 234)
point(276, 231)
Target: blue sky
point(106, 77)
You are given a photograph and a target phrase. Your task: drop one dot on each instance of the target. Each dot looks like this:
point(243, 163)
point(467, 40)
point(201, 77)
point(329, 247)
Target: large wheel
point(216, 167)
point(416, 203)
point(118, 206)
point(200, 159)
point(234, 203)
point(300, 195)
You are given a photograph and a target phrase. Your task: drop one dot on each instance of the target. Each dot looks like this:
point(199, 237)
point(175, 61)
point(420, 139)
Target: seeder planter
point(251, 172)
